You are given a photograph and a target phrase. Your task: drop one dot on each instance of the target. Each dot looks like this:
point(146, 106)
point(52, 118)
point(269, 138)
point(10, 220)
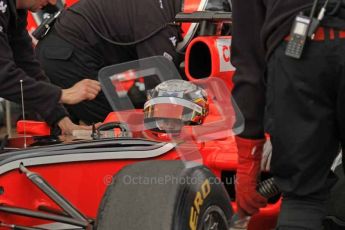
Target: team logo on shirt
point(173, 40)
point(161, 4)
point(3, 7)
point(168, 56)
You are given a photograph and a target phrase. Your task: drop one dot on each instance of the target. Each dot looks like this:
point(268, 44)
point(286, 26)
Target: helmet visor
point(172, 107)
point(161, 110)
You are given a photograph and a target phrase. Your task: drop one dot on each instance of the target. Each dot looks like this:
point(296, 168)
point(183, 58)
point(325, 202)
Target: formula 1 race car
point(126, 174)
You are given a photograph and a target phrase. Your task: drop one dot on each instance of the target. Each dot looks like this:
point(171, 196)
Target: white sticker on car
point(223, 46)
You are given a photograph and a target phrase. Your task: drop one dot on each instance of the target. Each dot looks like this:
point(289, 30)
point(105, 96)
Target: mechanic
point(17, 63)
point(304, 104)
point(93, 34)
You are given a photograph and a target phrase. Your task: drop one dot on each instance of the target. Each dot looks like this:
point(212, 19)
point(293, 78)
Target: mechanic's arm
point(248, 56)
point(249, 93)
point(39, 96)
point(24, 58)
point(22, 48)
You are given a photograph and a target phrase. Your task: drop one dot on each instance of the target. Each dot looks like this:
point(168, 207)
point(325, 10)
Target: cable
point(312, 12)
point(315, 22)
point(322, 11)
point(336, 7)
point(326, 3)
point(156, 31)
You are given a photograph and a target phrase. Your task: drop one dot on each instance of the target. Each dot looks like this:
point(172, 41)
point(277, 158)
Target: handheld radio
point(303, 28)
point(298, 37)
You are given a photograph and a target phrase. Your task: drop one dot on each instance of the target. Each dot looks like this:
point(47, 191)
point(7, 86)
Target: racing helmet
point(189, 30)
point(173, 104)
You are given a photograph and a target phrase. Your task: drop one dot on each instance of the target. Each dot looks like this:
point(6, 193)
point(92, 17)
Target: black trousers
point(65, 65)
point(305, 116)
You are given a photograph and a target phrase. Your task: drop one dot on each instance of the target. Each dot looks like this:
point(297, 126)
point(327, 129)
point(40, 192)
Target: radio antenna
point(23, 112)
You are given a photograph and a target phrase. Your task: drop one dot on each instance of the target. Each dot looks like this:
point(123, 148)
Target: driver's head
point(33, 5)
point(174, 104)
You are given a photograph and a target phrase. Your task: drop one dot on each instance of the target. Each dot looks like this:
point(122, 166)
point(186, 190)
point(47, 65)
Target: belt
point(323, 34)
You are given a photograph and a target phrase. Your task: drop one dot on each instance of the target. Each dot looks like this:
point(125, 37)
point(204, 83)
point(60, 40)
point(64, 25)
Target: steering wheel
point(123, 127)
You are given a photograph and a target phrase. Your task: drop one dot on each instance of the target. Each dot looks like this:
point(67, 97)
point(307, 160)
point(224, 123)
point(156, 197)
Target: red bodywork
point(83, 183)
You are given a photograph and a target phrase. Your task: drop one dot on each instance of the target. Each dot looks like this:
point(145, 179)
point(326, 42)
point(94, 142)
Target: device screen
point(300, 28)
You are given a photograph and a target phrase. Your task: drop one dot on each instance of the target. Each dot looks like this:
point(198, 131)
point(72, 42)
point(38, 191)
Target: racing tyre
point(164, 195)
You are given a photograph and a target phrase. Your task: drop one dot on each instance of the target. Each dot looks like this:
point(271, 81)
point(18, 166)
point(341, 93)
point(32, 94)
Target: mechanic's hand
point(67, 126)
point(248, 171)
point(86, 89)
